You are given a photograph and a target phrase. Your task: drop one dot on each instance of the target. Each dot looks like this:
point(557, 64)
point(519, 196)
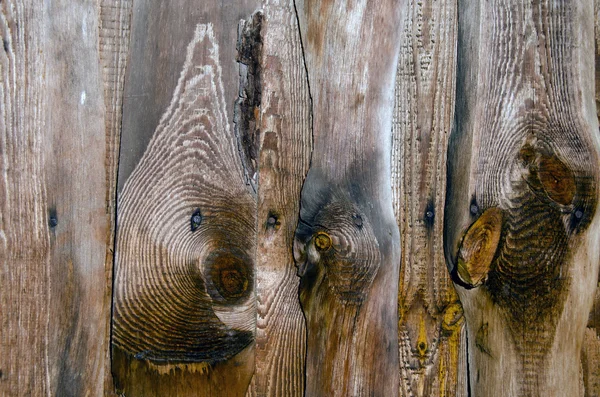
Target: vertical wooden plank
point(591, 343)
point(347, 241)
point(53, 222)
point(285, 145)
point(430, 315)
point(115, 20)
point(184, 305)
point(590, 352)
point(521, 221)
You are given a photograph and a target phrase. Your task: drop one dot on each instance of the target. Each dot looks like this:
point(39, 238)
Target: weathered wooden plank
point(430, 316)
point(53, 222)
point(521, 217)
point(590, 354)
point(114, 30)
point(285, 145)
point(347, 242)
point(184, 305)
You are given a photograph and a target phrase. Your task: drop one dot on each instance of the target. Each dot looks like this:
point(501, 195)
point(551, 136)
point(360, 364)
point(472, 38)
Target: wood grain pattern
point(285, 145)
point(53, 222)
point(590, 354)
point(114, 30)
point(184, 310)
point(526, 141)
point(430, 325)
point(347, 242)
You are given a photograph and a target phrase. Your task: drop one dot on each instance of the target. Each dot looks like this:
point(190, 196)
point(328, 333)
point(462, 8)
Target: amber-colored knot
point(479, 246)
point(322, 241)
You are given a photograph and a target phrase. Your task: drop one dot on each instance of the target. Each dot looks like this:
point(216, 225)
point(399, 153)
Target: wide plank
point(521, 219)
point(54, 295)
point(347, 241)
point(184, 295)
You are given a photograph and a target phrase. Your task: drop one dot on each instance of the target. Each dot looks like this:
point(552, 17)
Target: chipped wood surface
point(184, 296)
point(347, 242)
point(54, 296)
point(430, 325)
point(284, 153)
point(532, 154)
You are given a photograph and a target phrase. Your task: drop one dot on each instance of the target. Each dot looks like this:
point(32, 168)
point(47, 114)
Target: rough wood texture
point(590, 359)
point(184, 307)
point(115, 19)
point(53, 221)
point(525, 144)
point(430, 326)
point(285, 144)
point(347, 241)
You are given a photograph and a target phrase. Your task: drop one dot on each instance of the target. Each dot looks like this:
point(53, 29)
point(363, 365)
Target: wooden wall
point(153, 161)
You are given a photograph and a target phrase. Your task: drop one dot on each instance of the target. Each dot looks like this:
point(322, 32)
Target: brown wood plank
point(524, 154)
point(54, 297)
point(115, 21)
point(590, 352)
point(430, 316)
point(285, 146)
point(184, 305)
point(347, 241)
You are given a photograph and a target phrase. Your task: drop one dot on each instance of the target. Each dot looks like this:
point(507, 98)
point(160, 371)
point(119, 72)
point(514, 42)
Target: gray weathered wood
point(347, 242)
point(54, 295)
point(521, 222)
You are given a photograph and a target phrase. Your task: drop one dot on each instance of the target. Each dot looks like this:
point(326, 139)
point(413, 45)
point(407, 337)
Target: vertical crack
point(311, 113)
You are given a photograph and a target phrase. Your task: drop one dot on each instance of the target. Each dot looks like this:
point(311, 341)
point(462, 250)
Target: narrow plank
point(430, 315)
point(347, 241)
point(590, 352)
point(521, 222)
point(53, 222)
point(184, 306)
point(115, 20)
point(285, 145)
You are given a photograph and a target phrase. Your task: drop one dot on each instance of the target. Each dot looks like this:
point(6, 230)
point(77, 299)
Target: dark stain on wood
point(228, 275)
point(246, 110)
point(331, 242)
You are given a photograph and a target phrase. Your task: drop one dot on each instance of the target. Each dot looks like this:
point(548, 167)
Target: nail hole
point(196, 220)
point(52, 218)
point(357, 219)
